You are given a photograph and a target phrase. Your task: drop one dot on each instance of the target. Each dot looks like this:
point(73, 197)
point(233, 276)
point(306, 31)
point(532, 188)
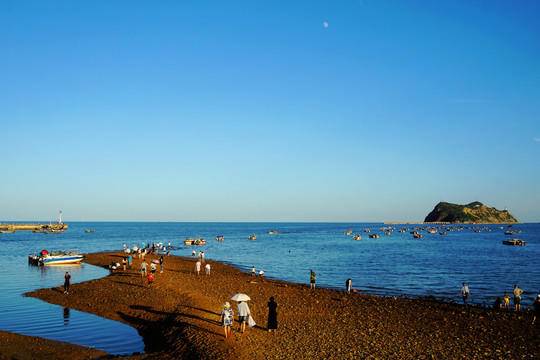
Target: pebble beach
point(178, 316)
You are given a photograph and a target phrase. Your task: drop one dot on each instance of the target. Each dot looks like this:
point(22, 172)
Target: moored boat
point(374, 236)
point(55, 258)
point(514, 242)
point(348, 232)
point(252, 237)
point(220, 237)
point(357, 237)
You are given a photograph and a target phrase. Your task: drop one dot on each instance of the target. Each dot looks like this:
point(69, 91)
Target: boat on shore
point(514, 242)
point(55, 258)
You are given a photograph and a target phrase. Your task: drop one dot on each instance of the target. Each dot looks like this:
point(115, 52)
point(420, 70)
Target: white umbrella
point(240, 297)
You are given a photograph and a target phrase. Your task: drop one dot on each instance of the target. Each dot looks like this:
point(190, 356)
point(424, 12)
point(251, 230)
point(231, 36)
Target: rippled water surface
point(392, 265)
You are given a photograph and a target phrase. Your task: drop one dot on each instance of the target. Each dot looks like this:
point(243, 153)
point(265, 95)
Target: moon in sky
point(325, 24)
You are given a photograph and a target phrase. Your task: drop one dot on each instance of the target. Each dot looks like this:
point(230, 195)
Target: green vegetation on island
point(475, 212)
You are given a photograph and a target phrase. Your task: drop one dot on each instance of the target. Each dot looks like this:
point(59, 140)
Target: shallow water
point(393, 265)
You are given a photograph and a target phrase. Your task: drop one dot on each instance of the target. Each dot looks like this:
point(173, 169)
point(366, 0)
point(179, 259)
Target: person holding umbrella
point(243, 309)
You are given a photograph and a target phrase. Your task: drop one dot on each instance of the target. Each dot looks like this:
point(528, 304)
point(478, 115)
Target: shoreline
point(179, 316)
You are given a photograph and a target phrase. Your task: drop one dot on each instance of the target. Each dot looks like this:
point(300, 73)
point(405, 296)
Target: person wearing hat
point(227, 317)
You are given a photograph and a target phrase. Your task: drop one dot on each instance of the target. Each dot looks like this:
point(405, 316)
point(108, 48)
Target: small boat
point(368, 230)
point(357, 237)
point(417, 235)
point(198, 242)
point(348, 232)
point(55, 258)
point(273, 232)
point(374, 236)
point(514, 242)
point(432, 230)
point(252, 237)
point(89, 231)
point(7, 231)
point(220, 238)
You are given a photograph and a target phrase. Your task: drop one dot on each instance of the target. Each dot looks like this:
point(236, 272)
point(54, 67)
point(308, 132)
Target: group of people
point(244, 317)
point(150, 276)
point(504, 302)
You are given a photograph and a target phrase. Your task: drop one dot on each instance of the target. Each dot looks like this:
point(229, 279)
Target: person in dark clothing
point(67, 282)
point(348, 285)
point(161, 264)
point(536, 308)
point(272, 315)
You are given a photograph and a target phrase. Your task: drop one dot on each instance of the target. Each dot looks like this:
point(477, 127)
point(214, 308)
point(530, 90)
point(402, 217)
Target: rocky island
point(475, 212)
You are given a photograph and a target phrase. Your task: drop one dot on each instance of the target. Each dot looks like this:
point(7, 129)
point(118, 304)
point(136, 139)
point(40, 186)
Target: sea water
point(395, 265)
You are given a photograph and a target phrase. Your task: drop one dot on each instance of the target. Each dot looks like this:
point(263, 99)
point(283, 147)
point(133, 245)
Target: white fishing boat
point(56, 258)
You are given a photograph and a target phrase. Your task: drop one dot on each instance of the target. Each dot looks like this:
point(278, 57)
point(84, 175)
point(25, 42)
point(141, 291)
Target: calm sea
point(391, 265)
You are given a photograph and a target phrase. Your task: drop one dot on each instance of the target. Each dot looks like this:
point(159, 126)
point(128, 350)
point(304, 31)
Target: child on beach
point(227, 318)
point(198, 267)
point(144, 265)
point(207, 269)
point(506, 301)
point(153, 268)
point(150, 278)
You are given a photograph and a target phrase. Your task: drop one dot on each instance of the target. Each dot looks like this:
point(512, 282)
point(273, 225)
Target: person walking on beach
point(312, 279)
point(161, 264)
point(517, 298)
point(124, 263)
point(67, 282)
point(348, 285)
point(207, 269)
point(129, 261)
point(202, 257)
point(198, 267)
point(272, 315)
point(144, 265)
point(253, 271)
point(227, 318)
point(243, 315)
point(465, 293)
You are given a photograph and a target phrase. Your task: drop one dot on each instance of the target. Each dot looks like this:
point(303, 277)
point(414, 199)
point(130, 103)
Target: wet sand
point(178, 316)
point(14, 346)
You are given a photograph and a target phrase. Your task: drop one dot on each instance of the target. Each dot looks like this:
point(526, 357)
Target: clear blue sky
point(254, 110)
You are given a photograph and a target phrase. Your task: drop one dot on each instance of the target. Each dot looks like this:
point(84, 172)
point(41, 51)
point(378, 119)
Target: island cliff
point(475, 212)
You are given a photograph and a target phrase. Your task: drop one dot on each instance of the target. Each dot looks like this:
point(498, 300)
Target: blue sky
point(253, 110)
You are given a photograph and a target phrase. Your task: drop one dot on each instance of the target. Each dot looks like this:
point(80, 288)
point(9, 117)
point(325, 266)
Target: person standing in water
point(517, 298)
point(312, 279)
point(67, 282)
point(272, 315)
point(465, 293)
